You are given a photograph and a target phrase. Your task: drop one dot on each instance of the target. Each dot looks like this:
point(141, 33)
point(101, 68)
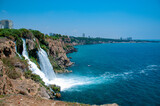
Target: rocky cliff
point(12, 70)
point(17, 82)
point(7, 48)
point(57, 55)
point(16, 88)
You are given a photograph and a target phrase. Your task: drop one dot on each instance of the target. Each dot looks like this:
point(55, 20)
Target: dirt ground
point(23, 100)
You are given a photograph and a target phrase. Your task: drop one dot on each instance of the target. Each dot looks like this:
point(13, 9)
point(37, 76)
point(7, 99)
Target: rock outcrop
point(19, 85)
point(7, 48)
point(31, 44)
point(16, 88)
point(12, 80)
point(57, 52)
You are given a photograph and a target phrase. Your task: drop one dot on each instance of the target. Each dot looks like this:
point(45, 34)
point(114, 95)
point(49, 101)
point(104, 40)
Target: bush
point(28, 74)
point(19, 44)
point(40, 36)
point(15, 35)
point(54, 63)
point(14, 73)
point(12, 34)
point(11, 72)
point(10, 64)
point(55, 88)
point(26, 33)
point(44, 47)
point(35, 61)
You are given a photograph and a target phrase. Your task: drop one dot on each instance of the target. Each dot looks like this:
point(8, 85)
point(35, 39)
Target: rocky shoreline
point(18, 84)
point(17, 81)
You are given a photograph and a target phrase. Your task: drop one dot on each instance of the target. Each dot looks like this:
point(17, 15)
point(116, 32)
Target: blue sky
point(139, 19)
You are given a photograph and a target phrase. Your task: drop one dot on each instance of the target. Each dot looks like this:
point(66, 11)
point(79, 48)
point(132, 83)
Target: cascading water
point(47, 73)
point(45, 65)
point(32, 66)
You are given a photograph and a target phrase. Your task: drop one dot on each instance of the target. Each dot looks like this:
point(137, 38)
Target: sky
point(139, 19)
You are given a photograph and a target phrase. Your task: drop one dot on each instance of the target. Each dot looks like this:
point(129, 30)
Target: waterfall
point(47, 73)
point(16, 50)
point(32, 66)
point(45, 65)
point(25, 53)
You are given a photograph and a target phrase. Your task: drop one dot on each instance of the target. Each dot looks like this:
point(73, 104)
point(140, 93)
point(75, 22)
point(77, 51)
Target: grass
point(55, 88)
point(11, 71)
point(44, 47)
point(2, 96)
point(54, 63)
point(35, 61)
point(28, 74)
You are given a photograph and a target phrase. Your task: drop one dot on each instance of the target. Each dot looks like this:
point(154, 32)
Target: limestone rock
point(43, 93)
point(7, 48)
point(58, 95)
point(56, 50)
point(31, 44)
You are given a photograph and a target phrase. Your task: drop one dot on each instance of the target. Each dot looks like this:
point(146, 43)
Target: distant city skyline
point(139, 19)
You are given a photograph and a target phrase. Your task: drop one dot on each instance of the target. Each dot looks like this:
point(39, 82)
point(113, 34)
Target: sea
point(124, 73)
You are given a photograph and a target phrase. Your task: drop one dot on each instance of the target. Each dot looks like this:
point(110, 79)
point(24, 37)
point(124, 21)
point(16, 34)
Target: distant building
point(83, 35)
point(6, 24)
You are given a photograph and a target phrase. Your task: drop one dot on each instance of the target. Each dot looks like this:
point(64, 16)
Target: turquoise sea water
point(122, 73)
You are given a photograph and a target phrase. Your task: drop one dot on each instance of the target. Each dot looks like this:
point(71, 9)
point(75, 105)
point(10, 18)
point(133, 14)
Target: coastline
point(134, 51)
point(19, 79)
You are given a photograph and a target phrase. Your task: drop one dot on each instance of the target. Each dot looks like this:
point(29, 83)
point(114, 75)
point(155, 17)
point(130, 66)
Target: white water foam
point(68, 82)
point(45, 65)
point(32, 66)
point(64, 83)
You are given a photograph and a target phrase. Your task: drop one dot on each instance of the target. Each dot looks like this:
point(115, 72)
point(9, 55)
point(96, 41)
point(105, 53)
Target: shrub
point(55, 88)
point(54, 63)
point(26, 33)
point(19, 44)
point(10, 64)
point(44, 47)
point(28, 74)
point(14, 73)
point(15, 35)
point(11, 72)
point(35, 61)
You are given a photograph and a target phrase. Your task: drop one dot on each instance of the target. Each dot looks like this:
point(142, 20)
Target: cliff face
point(16, 78)
point(12, 69)
point(57, 55)
point(7, 48)
point(16, 89)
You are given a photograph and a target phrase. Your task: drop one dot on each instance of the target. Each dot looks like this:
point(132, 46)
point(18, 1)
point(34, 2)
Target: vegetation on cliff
point(29, 75)
point(11, 64)
point(16, 78)
point(36, 39)
point(98, 40)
